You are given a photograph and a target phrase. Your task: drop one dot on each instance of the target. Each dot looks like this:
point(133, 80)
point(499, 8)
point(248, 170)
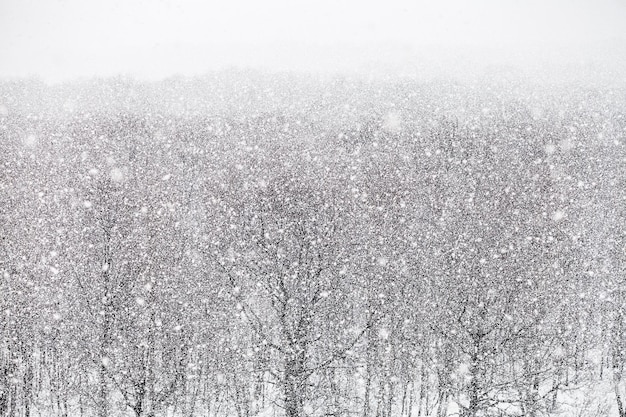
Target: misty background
point(59, 40)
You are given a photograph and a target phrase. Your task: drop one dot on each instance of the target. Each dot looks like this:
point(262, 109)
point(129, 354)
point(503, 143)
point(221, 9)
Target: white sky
point(62, 39)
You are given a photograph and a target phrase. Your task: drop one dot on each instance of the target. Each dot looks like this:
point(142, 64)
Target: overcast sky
point(63, 39)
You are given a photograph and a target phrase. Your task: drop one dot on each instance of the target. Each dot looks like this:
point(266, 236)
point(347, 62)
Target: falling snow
point(397, 256)
point(422, 240)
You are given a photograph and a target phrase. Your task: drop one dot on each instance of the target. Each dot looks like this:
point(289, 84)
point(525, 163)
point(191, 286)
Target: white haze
point(64, 39)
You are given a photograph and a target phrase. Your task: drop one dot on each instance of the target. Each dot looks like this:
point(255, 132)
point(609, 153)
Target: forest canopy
point(247, 243)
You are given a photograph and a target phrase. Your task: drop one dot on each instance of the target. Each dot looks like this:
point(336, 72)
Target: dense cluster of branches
point(404, 251)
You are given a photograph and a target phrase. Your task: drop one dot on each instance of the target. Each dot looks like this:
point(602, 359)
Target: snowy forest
point(250, 244)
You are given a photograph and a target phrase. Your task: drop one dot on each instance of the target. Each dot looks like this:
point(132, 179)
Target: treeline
point(387, 250)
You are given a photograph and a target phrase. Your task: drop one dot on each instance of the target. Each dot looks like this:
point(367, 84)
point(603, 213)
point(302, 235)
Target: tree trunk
point(28, 385)
point(294, 397)
point(103, 391)
point(617, 382)
point(369, 363)
point(105, 341)
point(475, 372)
point(442, 410)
